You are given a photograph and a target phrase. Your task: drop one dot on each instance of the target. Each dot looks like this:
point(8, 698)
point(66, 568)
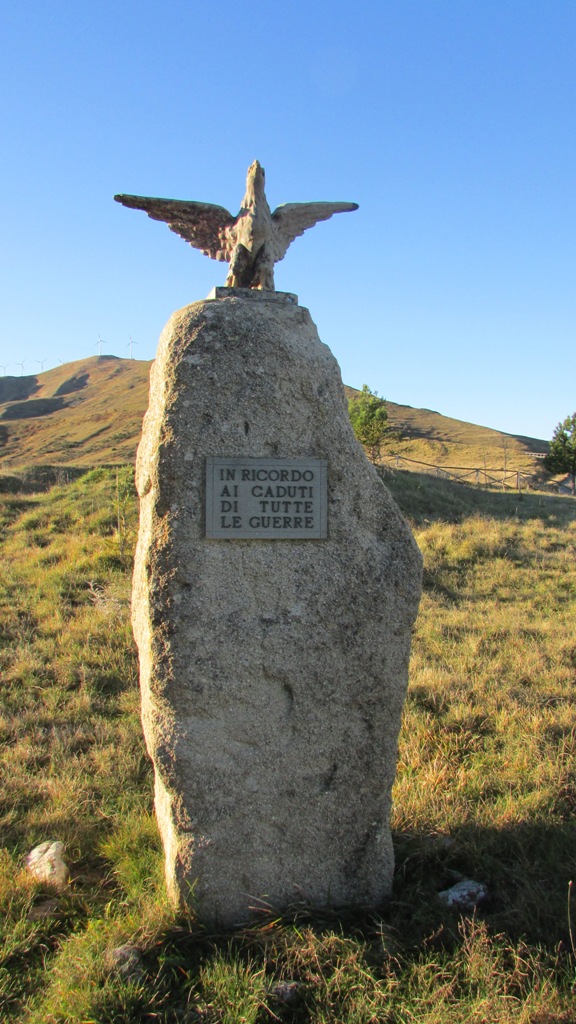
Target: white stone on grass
point(465, 895)
point(46, 863)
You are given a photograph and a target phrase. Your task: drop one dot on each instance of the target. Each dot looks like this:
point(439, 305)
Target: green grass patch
point(486, 787)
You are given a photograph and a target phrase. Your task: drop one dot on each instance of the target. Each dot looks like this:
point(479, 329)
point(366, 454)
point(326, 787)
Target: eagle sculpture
point(253, 241)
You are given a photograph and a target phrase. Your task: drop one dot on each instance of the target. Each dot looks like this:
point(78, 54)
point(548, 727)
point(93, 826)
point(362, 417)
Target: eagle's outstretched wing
point(292, 219)
point(203, 225)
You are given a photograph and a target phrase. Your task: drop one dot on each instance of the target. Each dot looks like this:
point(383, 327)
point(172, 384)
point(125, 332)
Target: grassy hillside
point(486, 788)
point(89, 413)
point(85, 413)
point(424, 436)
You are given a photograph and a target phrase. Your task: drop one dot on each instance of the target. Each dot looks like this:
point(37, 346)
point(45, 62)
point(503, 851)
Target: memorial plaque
point(266, 499)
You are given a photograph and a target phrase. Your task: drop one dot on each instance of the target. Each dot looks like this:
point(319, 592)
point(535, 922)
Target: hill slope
point(428, 437)
point(89, 413)
point(85, 413)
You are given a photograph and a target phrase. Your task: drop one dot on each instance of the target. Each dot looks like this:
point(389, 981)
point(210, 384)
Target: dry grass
point(102, 403)
point(90, 413)
point(427, 436)
point(486, 787)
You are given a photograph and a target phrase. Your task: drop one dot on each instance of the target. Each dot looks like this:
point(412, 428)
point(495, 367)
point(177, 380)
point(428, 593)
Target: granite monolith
point(273, 621)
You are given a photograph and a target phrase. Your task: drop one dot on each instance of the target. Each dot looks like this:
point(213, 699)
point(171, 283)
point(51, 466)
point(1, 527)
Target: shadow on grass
point(424, 499)
point(525, 867)
point(301, 964)
point(521, 931)
point(35, 479)
point(526, 870)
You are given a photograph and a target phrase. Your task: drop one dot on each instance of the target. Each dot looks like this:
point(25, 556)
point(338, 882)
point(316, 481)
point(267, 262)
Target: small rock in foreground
point(46, 863)
point(126, 961)
point(465, 895)
point(286, 992)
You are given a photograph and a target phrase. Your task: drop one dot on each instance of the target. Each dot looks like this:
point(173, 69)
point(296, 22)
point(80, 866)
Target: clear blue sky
point(451, 123)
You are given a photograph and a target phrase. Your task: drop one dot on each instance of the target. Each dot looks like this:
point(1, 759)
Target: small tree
point(561, 457)
point(369, 418)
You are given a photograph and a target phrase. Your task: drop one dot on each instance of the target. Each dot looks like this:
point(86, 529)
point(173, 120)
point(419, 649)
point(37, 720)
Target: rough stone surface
point(288, 992)
point(126, 961)
point(46, 863)
point(273, 672)
point(465, 895)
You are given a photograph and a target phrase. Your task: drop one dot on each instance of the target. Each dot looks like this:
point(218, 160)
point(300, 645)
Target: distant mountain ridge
point(89, 413)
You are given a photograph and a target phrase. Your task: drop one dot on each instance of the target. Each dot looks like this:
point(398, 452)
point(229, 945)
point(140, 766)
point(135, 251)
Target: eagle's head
point(255, 180)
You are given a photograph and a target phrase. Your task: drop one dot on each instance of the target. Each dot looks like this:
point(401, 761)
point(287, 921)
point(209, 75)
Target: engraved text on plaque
point(266, 499)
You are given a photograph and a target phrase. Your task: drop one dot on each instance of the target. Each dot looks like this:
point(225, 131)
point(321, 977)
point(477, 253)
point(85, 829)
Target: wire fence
point(514, 479)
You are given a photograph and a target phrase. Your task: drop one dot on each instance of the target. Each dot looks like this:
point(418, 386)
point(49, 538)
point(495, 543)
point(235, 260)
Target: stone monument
point(275, 587)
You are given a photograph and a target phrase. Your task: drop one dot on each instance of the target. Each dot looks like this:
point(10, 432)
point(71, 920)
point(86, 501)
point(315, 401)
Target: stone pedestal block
point(273, 666)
